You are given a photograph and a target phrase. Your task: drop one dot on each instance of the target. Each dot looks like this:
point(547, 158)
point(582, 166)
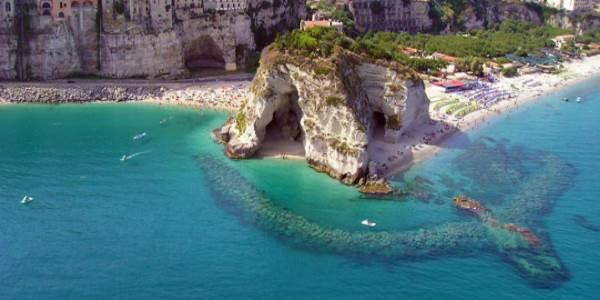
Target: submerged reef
point(512, 228)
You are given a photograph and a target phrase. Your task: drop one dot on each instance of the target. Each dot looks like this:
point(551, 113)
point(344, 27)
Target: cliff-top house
point(572, 5)
point(390, 15)
point(61, 9)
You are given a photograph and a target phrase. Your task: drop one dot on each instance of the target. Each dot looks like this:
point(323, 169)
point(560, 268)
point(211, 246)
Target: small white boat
point(139, 136)
point(163, 121)
point(578, 99)
point(26, 200)
point(368, 223)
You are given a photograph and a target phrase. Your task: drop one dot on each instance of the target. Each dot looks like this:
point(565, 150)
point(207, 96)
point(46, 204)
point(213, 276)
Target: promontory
point(333, 98)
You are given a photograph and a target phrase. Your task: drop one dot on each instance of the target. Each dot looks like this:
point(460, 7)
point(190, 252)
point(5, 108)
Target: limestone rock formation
point(334, 107)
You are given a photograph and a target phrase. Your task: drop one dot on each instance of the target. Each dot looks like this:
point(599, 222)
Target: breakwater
point(224, 96)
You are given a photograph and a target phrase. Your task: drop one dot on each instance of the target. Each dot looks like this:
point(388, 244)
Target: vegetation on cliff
point(322, 42)
point(511, 37)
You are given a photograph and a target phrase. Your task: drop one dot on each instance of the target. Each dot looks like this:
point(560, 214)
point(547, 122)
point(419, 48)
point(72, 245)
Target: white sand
point(414, 150)
point(224, 96)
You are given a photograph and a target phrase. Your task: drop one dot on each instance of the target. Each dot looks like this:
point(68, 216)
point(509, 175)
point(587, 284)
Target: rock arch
point(336, 118)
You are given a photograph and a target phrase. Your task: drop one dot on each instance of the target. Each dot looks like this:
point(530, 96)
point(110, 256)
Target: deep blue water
point(168, 224)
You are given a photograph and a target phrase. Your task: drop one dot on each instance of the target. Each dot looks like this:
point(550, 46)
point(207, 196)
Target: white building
point(572, 4)
point(221, 5)
point(7, 9)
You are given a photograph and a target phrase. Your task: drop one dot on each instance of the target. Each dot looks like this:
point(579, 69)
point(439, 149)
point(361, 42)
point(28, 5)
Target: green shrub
point(323, 70)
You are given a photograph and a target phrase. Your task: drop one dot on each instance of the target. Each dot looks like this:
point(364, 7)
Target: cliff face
point(270, 17)
point(580, 23)
point(118, 46)
point(334, 107)
point(433, 16)
point(484, 14)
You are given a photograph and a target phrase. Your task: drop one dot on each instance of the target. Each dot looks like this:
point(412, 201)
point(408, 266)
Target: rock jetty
point(225, 97)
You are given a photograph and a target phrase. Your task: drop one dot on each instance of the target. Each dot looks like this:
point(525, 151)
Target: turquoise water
point(180, 221)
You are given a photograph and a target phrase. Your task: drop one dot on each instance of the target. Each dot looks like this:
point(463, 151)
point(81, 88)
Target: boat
point(26, 200)
point(565, 99)
point(578, 99)
point(139, 136)
point(368, 223)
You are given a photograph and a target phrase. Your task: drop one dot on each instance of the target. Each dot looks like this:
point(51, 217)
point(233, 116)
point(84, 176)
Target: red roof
point(444, 57)
point(410, 51)
point(449, 84)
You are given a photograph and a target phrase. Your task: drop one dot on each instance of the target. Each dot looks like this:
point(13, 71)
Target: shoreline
point(224, 95)
point(574, 73)
point(227, 95)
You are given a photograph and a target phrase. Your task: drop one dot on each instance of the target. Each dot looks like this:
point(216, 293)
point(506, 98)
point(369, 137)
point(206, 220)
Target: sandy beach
point(225, 96)
point(400, 157)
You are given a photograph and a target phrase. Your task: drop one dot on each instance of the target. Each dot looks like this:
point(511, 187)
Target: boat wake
point(128, 157)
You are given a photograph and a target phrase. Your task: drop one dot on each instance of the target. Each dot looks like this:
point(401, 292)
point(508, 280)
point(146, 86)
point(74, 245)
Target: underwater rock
point(485, 215)
point(515, 230)
point(376, 188)
point(470, 205)
point(585, 223)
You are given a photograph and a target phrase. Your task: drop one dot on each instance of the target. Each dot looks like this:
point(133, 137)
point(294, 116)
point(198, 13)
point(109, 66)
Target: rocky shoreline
point(224, 96)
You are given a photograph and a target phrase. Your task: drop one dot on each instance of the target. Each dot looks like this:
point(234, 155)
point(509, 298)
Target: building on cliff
point(222, 5)
point(50, 39)
point(7, 9)
point(571, 5)
point(390, 15)
point(61, 9)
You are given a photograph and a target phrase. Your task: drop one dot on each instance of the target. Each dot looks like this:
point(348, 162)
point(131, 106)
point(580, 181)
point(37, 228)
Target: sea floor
point(177, 220)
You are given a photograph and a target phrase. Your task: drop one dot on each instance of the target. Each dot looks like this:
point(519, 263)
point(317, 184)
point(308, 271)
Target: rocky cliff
point(579, 22)
point(333, 106)
point(441, 15)
point(114, 45)
point(478, 14)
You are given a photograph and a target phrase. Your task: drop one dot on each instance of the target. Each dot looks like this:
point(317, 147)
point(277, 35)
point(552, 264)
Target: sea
point(119, 214)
